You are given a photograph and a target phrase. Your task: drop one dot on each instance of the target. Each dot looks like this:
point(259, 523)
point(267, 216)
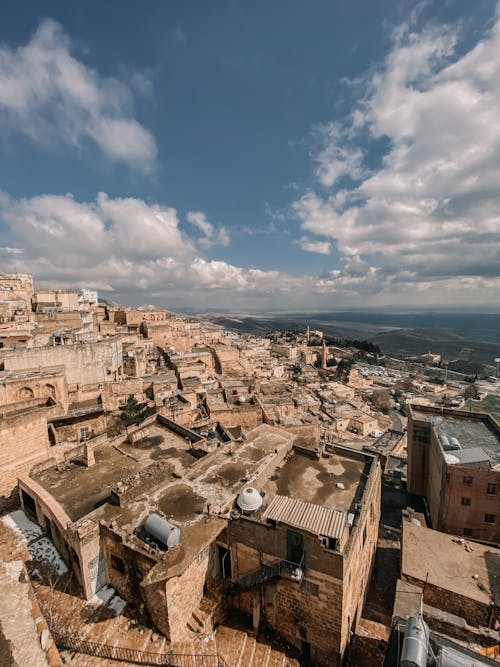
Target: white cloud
point(126, 246)
point(50, 96)
point(320, 247)
point(427, 218)
point(211, 235)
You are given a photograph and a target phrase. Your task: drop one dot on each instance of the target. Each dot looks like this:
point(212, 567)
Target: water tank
point(162, 530)
point(249, 499)
point(444, 441)
point(415, 644)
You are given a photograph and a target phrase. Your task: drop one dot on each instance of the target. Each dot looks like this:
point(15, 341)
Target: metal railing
point(169, 659)
point(283, 569)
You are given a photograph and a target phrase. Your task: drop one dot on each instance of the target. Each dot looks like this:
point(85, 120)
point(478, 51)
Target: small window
point(466, 501)
point(468, 532)
point(85, 433)
point(491, 489)
point(310, 588)
point(489, 518)
point(467, 480)
point(117, 564)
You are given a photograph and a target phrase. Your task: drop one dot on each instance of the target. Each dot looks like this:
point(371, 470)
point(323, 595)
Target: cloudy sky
point(273, 154)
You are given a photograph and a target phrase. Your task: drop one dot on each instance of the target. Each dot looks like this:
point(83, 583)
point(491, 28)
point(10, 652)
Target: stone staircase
point(239, 649)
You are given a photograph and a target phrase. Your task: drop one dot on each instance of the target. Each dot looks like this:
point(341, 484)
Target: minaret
point(308, 334)
point(323, 354)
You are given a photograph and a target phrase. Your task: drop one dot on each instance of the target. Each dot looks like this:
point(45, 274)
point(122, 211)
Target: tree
point(381, 400)
point(133, 412)
point(472, 391)
point(343, 369)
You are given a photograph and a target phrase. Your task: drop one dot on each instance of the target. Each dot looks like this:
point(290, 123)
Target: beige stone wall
point(184, 595)
point(46, 384)
point(360, 554)
point(308, 611)
point(23, 443)
point(114, 393)
point(15, 295)
point(84, 364)
point(69, 431)
point(475, 613)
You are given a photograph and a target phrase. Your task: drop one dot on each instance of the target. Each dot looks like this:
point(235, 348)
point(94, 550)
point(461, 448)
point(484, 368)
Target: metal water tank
point(415, 644)
point(249, 499)
point(162, 530)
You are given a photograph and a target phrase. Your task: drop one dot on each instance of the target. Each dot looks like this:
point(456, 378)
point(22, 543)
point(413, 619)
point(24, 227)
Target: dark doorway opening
point(305, 653)
point(28, 503)
point(294, 546)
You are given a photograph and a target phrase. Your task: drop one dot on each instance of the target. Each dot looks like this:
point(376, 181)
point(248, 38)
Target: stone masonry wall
point(23, 443)
point(185, 593)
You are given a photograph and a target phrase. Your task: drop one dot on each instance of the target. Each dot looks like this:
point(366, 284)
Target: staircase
point(240, 649)
point(283, 569)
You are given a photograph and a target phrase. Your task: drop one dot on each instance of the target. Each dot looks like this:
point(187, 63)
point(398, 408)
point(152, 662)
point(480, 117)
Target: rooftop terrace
point(80, 490)
point(337, 481)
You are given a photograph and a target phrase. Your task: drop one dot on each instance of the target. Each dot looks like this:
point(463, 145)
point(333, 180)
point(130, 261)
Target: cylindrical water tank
point(162, 530)
point(415, 644)
point(249, 499)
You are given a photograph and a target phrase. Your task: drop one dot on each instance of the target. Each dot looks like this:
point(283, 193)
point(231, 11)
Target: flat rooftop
point(81, 490)
point(337, 481)
point(445, 562)
point(471, 433)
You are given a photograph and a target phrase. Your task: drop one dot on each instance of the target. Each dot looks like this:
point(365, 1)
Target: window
point(468, 480)
point(466, 501)
point(468, 532)
point(489, 518)
point(310, 588)
point(117, 564)
point(85, 433)
point(491, 489)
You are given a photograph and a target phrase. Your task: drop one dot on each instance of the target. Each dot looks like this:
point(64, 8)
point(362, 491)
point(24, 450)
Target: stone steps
point(240, 649)
point(248, 653)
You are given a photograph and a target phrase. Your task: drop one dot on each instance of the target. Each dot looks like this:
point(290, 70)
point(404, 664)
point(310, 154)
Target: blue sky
point(264, 155)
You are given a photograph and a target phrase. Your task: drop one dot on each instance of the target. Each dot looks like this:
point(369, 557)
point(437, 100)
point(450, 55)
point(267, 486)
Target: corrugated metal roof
point(315, 519)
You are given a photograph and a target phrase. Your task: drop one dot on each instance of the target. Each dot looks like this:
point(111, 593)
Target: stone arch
point(25, 393)
point(49, 390)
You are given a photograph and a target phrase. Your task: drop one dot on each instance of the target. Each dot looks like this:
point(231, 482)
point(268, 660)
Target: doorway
point(294, 546)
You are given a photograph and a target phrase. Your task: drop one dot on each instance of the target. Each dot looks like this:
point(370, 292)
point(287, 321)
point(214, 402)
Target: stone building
point(84, 363)
point(299, 561)
point(454, 461)
point(455, 576)
point(16, 291)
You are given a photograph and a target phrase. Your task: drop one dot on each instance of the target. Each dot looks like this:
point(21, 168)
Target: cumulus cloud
point(320, 247)
point(134, 249)
point(50, 96)
point(427, 218)
point(211, 235)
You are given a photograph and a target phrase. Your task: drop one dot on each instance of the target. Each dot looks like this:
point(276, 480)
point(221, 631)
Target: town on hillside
point(176, 493)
